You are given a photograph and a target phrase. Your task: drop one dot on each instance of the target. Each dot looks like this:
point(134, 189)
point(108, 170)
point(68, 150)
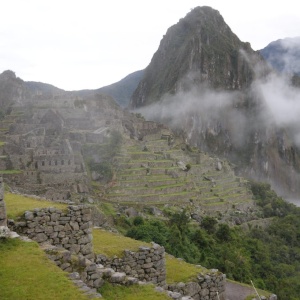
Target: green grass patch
point(10, 172)
point(151, 194)
point(108, 209)
point(181, 271)
point(154, 188)
point(27, 273)
point(2, 144)
point(111, 244)
point(16, 205)
point(134, 292)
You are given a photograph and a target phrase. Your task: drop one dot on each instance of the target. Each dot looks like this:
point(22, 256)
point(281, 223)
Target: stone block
point(74, 225)
point(98, 283)
point(147, 266)
point(118, 277)
point(54, 217)
point(29, 216)
point(40, 237)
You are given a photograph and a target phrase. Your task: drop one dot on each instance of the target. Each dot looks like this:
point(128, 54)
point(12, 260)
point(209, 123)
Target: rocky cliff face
point(217, 92)
point(200, 48)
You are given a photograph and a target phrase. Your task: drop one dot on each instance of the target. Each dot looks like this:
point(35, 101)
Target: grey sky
point(88, 44)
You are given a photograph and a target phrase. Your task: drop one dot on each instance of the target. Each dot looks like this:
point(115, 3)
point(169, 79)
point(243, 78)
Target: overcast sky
point(89, 44)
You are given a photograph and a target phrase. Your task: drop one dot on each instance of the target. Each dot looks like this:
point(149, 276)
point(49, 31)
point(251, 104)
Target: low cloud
point(200, 108)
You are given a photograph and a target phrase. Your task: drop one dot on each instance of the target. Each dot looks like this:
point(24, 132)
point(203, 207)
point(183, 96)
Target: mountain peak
point(201, 44)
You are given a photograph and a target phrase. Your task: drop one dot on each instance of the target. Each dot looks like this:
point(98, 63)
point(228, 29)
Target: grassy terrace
point(111, 244)
point(135, 292)
point(16, 205)
point(10, 172)
point(156, 188)
point(27, 273)
point(184, 193)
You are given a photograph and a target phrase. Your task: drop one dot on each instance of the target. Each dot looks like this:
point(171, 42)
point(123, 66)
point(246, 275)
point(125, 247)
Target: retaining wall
point(210, 286)
point(71, 230)
point(2, 205)
point(147, 264)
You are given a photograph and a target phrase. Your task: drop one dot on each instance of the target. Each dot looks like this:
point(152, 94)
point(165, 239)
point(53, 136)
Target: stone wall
point(209, 286)
point(206, 286)
point(71, 230)
point(89, 272)
point(2, 205)
point(147, 264)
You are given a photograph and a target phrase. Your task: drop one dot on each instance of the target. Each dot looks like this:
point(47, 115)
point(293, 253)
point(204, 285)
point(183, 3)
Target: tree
point(209, 224)
point(223, 233)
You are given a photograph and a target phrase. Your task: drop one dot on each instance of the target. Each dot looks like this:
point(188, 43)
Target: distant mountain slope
point(42, 87)
point(283, 55)
point(121, 90)
point(11, 89)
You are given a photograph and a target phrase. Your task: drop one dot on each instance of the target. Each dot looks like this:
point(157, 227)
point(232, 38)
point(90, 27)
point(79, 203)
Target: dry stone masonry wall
point(147, 264)
point(71, 230)
point(210, 286)
point(2, 205)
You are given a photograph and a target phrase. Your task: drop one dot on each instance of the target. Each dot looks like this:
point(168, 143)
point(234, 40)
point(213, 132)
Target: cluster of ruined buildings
point(45, 143)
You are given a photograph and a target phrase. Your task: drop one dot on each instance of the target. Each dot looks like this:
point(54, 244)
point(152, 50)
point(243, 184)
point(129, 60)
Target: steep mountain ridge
point(207, 84)
point(199, 48)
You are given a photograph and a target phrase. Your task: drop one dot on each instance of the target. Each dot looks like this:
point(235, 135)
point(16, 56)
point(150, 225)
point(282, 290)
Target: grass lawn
point(181, 271)
point(135, 292)
point(111, 244)
point(26, 273)
point(16, 205)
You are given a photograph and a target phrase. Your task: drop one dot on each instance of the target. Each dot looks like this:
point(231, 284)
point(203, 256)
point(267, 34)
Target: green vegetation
point(27, 273)
point(10, 172)
point(2, 144)
point(16, 205)
point(107, 209)
point(268, 256)
point(135, 292)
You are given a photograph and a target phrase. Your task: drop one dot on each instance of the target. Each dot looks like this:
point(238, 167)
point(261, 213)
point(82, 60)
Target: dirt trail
point(236, 291)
